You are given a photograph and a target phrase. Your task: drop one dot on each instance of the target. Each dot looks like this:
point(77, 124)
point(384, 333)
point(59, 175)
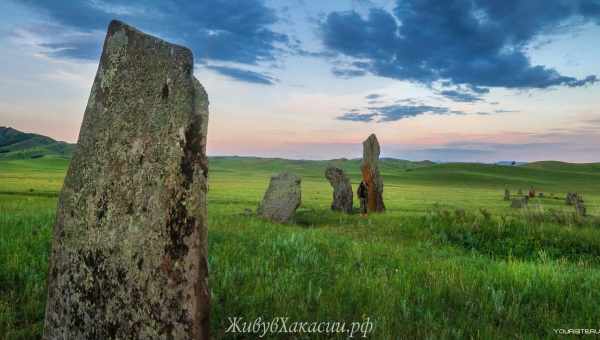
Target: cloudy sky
point(460, 80)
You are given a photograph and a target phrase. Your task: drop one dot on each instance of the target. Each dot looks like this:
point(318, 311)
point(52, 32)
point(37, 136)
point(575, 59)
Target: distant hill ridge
point(15, 144)
point(307, 167)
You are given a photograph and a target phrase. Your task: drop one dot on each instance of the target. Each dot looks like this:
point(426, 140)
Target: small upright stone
point(506, 194)
point(282, 198)
point(370, 174)
point(129, 251)
point(342, 189)
point(520, 202)
point(571, 198)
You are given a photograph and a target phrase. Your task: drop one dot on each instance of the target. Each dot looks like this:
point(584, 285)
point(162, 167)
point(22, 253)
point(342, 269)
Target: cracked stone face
point(129, 254)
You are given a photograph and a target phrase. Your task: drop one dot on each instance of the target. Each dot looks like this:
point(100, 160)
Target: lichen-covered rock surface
point(129, 254)
point(370, 174)
point(519, 202)
point(282, 198)
point(342, 189)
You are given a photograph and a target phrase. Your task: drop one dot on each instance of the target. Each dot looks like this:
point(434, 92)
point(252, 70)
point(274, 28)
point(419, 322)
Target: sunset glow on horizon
point(306, 80)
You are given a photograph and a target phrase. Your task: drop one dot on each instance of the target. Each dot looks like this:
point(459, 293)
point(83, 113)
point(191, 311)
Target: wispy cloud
point(395, 112)
point(243, 75)
point(463, 97)
point(358, 117)
point(347, 73)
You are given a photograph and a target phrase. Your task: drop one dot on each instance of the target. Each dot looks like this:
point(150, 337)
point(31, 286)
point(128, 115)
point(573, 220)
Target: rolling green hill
point(549, 177)
point(306, 168)
point(566, 167)
point(449, 259)
point(15, 144)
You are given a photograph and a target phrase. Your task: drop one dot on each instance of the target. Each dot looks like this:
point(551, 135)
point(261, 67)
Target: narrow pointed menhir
point(370, 174)
point(129, 255)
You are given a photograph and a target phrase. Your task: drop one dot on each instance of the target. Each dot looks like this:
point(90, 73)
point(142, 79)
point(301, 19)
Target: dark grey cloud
point(478, 43)
point(411, 101)
point(373, 96)
point(587, 80)
point(476, 89)
point(466, 93)
point(347, 73)
point(243, 75)
point(458, 96)
point(394, 112)
point(222, 30)
point(354, 116)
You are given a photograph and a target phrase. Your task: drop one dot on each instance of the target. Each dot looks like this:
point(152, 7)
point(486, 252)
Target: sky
point(456, 80)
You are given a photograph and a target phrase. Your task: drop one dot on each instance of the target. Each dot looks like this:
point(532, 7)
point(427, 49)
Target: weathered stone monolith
point(519, 202)
point(506, 194)
point(342, 189)
point(129, 254)
point(370, 174)
point(282, 198)
point(571, 198)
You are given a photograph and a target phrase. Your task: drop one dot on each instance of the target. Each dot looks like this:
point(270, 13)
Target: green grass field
point(448, 259)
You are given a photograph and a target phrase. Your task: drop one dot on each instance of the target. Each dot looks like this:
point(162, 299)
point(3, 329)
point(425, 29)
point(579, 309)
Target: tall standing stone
point(282, 198)
point(370, 174)
point(129, 255)
point(342, 189)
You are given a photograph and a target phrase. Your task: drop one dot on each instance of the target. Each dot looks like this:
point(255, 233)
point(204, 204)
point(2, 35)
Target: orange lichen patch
point(367, 175)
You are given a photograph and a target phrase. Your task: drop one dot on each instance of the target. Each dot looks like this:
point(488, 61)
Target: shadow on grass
point(319, 217)
point(50, 194)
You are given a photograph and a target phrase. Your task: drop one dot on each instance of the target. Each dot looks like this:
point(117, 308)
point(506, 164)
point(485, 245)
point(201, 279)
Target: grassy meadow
point(449, 259)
